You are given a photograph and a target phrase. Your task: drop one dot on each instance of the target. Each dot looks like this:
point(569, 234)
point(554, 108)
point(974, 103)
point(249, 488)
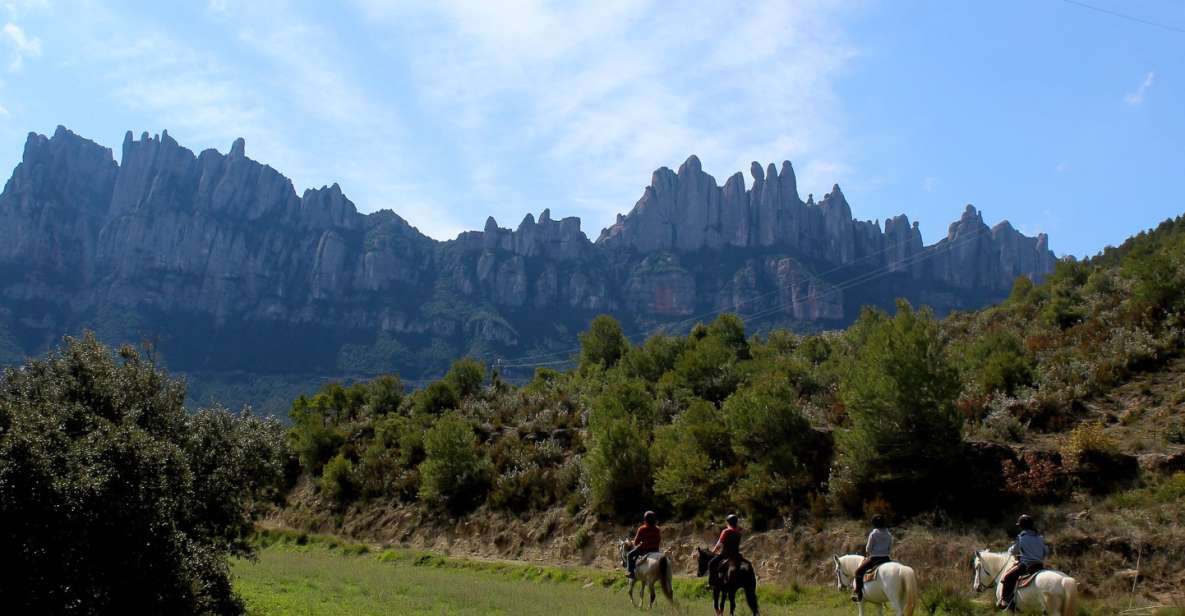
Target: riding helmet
point(878, 521)
point(732, 519)
point(1025, 522)
point(650, 517)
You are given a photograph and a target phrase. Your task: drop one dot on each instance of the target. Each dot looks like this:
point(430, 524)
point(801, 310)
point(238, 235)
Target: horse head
point(623, 550)
point(839, 575)
point(702, 558)
point(977, 584)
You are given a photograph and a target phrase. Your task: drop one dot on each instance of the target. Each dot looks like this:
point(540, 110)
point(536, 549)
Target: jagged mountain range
point(254, 290)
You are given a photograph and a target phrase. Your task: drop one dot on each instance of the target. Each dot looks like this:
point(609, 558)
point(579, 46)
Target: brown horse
point(738, 577)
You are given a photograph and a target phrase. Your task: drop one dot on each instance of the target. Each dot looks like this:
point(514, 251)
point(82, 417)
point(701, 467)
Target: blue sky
point(1057, 117)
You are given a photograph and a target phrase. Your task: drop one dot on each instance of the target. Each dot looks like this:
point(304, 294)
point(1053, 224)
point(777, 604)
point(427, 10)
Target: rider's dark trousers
point(865, 567)
point(1014, 574)
point(632, 557)
point(719, 560)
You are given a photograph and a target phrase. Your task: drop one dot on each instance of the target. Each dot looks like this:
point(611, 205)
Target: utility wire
point(1140, 20)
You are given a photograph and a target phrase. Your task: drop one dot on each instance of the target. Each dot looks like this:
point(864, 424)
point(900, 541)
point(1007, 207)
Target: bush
point(337, 481)
point(905, 434)
point(690, 456)
point(465, 377)
point(603, 344)
point(453, 476)
point(113, 499)
point(617, 465)
point(1087, 439)
point(436, 399)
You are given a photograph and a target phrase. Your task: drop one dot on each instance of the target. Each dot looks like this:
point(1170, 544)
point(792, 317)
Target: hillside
point(255, 292)
point(1067, 400)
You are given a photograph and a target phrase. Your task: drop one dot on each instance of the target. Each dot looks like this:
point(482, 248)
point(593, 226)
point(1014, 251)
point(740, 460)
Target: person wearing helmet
point(648, 539)
point(876, 553)
point(1030, 552)
point(728, 546)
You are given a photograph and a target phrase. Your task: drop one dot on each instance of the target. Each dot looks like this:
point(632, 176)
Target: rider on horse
point(1030, 551)
point(728, 547)
point(648, 539)
point(876, 553)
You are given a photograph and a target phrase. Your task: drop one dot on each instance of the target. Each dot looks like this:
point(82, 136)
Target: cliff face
point(220, 260)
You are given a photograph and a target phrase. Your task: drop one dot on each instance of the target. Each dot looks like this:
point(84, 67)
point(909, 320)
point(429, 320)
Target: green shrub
point(454, 474)
point(900, 391)
point(337, 480)
point(465, 377)
point(690, 456)
point(436, 399)
point(113, 499)
point(603, 344)
point(617, 465)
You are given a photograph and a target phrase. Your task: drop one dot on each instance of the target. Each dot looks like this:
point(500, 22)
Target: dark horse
point(739, 576)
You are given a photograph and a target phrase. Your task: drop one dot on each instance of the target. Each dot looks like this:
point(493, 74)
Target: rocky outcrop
point(687, 211)
point(222, 257)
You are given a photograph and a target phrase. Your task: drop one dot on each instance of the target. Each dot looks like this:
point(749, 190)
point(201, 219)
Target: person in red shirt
point(729, 544)
point(647, 539)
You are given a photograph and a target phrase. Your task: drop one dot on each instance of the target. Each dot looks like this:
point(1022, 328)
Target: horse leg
point(652, 595)
point(632, 602)
point(717, 601)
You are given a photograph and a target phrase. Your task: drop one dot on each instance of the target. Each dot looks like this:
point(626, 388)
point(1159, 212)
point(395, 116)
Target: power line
point(1140, 20)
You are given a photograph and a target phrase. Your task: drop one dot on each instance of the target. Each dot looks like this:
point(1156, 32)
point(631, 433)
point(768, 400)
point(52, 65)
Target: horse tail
point(751, 590)
point(667, 577)
point(1070, 594)
point(909, 580)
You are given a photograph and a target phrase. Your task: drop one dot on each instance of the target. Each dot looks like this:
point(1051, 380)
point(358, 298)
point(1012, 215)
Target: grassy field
point(303, 575)
point(324, 577)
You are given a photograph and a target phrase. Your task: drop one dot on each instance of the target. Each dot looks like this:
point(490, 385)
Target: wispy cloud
point(1137, 97)
point(20, 44)
point(597, 94)
point(929, 183)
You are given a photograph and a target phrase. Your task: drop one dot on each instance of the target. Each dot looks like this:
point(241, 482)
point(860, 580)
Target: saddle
point(871, 575)
point(1025, 580)
point(725, 569)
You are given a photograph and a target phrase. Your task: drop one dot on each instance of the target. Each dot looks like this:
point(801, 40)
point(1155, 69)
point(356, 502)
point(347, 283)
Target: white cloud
point(1137, 97)
point(1062, 167)
point(929, 184)
point(21, 45)
point(3, 111)
point(597, 94)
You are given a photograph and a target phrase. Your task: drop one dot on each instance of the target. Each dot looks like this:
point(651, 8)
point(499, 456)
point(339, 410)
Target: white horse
point(652, 568)
point(1052, 593)
point(895, 584)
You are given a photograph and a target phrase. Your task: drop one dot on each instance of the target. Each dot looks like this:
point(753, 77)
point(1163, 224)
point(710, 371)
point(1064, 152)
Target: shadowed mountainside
point(255, 291)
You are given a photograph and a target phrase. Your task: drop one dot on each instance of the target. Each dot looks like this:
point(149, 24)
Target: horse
point(1051, 592)
point(742, 577)
point(895, 584)
point(652, 568)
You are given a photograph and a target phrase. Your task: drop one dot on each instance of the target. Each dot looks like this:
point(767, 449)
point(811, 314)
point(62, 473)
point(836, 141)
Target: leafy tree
point(113, 499)
point(603, 344)
point(654, 358)
point(466, 377)
point(454, 475)
point(900, 393)
point(709, 369)
point(997, 361)
point(384, 395)
point(437, 398)
point(691, 457)
point(617, 465)
point(337, 481)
